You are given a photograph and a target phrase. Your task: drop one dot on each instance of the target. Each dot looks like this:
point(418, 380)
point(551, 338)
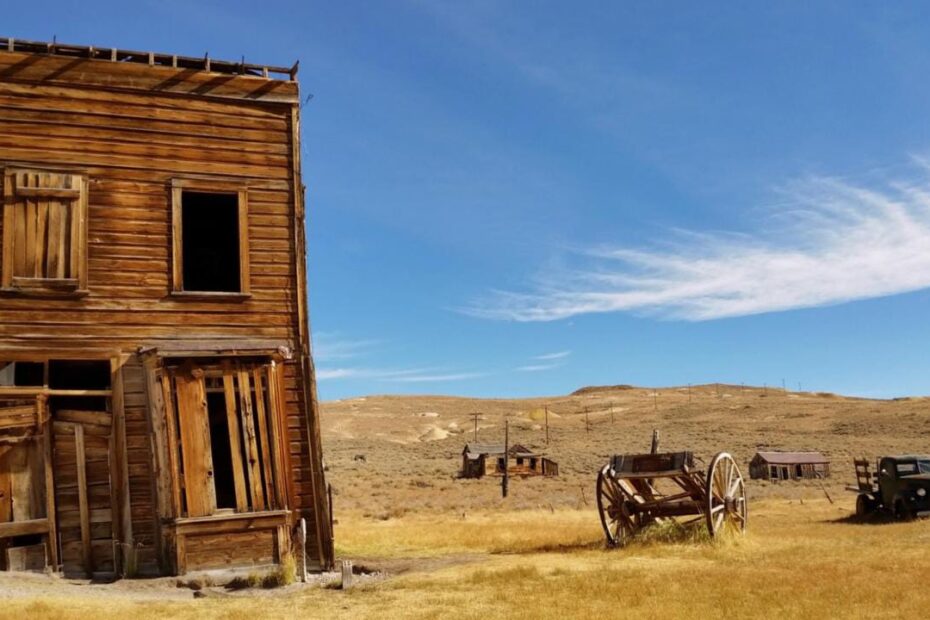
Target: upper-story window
point(44, 231)
point(210, 239)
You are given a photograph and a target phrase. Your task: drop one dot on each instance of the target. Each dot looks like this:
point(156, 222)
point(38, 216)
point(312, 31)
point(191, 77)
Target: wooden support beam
point(87, 554)
point(24, 528)
point(174, 469)
point(119, 459)
point(50, 513)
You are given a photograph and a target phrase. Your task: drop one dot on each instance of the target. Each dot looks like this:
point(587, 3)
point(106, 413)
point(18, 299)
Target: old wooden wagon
point(637, 490)
point(158, 407)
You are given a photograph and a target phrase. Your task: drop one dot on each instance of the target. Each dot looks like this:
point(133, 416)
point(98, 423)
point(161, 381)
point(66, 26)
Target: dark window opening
point(79, 375)
point(22, 374)
point(799, 471)
point(77, 403)
point(210, 242)
point(223, 480)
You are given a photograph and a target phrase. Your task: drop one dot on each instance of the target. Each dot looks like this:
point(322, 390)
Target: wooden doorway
point(83, 490)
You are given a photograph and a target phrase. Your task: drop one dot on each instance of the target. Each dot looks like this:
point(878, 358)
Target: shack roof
point(793, 458)
point(474, 450)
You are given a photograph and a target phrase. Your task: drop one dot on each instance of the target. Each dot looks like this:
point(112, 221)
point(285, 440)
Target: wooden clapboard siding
point(130, 130)
point(230, 549)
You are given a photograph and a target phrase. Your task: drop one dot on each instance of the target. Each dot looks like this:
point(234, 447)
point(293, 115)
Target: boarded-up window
point(44, 231)
point(227, 434)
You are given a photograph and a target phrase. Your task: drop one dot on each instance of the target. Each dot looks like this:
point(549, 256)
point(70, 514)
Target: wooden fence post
point(303, 550)
point(346, 574)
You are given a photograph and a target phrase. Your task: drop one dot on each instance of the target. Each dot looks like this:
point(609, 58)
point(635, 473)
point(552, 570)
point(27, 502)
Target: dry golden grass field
point(454, 547)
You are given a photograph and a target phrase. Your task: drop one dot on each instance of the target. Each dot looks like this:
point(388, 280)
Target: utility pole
point(689, 393)
point(655, 400)
point(587, 425)
point(547, 425)
point(783, 388)
point(611, 414)
point(476, 417)
point(505, 481)
point(655, 442)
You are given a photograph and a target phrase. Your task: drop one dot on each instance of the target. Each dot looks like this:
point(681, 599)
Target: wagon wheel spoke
point(726, 496)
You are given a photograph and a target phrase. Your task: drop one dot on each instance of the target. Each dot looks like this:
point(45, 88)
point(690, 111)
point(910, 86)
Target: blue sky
point(521, 198)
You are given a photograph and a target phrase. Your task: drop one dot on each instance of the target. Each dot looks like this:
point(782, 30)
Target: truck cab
point(904, 485)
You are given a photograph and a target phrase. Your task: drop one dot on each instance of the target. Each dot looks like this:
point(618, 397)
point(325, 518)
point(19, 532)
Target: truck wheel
point(864, 505)
point(902, 511)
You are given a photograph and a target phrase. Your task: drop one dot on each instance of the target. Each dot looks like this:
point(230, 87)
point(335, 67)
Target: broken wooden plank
point(235, 440)
point(196, 454)
point(263, 432)
point(87, 556)
point(250, 441)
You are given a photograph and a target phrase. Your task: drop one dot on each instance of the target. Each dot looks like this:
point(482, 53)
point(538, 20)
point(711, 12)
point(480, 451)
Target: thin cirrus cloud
point(536, 367)
point(553, 356)
point(420, 375)
point(833, 242)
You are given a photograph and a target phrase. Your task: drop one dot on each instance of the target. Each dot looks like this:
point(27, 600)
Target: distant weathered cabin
point(789, 466)
point(158, 408)
point(479, 460)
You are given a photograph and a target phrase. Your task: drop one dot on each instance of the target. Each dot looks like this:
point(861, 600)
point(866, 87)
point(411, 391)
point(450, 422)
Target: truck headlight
point(921, 492)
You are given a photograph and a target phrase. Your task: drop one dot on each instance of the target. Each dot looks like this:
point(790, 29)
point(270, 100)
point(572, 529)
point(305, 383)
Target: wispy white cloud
point(327, 374)
point(833, 241)
point(459, 376)
point(329, 346)
point(536, 367)
point(408, 375)
point(553, 356)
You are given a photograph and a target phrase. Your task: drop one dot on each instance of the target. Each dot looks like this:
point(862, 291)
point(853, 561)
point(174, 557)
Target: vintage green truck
point(899, 486)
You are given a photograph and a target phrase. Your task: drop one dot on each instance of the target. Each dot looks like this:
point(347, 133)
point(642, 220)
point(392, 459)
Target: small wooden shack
point(789, 466)
point(158, 408)
point(479, 460)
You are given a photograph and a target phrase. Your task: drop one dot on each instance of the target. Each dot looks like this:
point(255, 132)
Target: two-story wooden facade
point(158, 408)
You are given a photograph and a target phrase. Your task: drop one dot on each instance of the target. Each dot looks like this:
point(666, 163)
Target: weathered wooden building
point(479, 460)
point(158, 408)
point(789, 466)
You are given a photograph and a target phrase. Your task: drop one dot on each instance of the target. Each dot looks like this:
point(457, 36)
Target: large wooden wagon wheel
point(618, 522)
point(727, 509)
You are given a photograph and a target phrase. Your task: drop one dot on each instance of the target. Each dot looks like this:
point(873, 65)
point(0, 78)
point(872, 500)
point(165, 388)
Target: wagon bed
point(637, 490)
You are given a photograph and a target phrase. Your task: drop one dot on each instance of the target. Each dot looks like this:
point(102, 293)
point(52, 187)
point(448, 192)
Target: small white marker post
point(304, 577)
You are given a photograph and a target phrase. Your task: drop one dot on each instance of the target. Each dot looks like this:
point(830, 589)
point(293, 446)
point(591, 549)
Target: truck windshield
point(907, 468)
